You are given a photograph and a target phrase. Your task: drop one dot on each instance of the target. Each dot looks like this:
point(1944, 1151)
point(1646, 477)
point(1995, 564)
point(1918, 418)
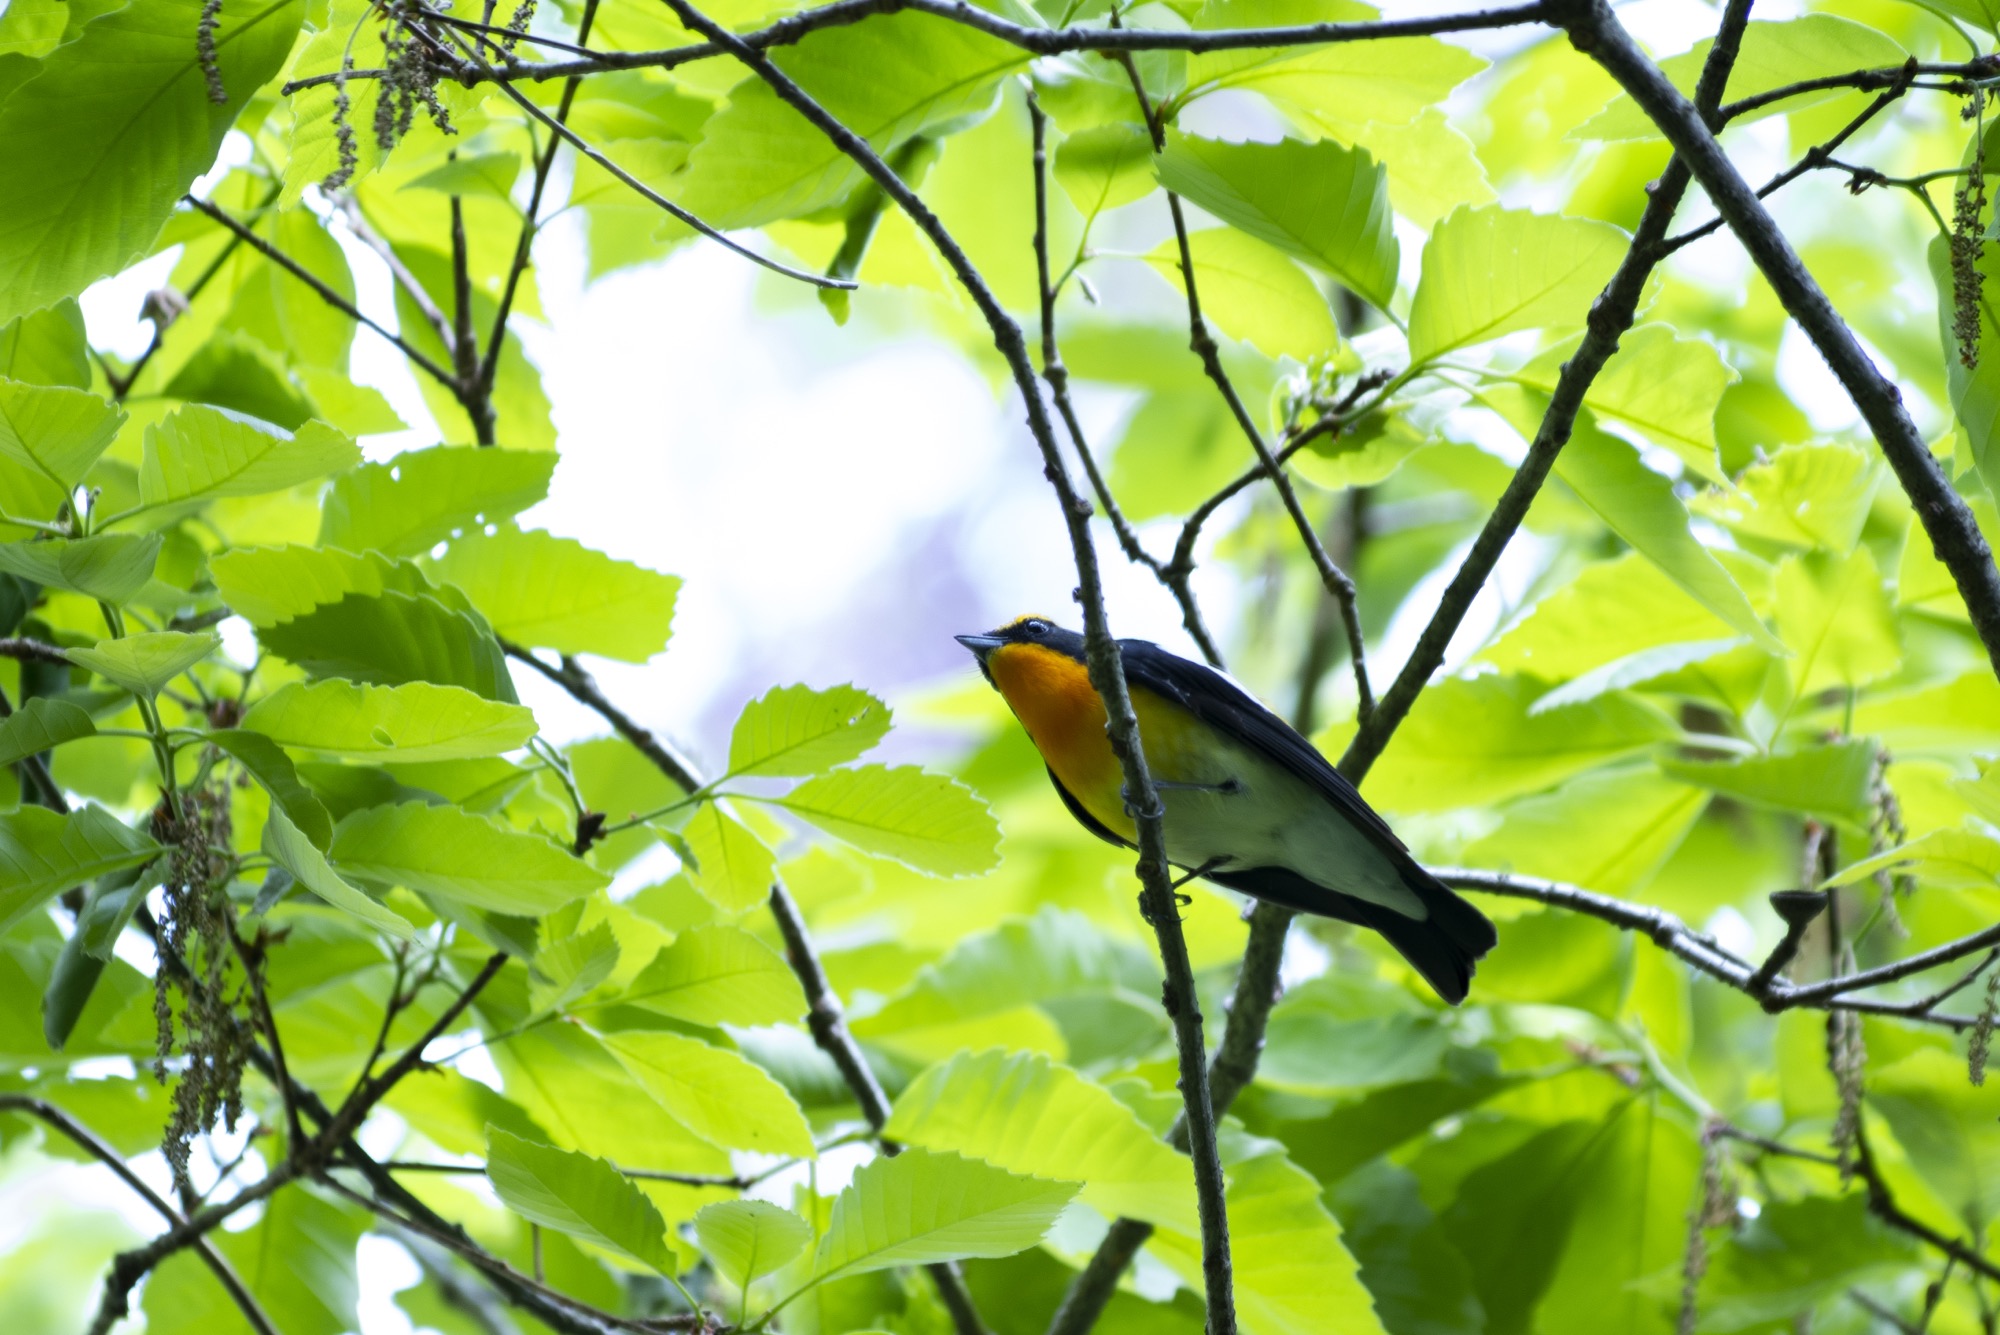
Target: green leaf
point(927, 822)
point(909, 75)
point(1962, 859)
point(393, 638)
point(555, 593)
point(1293, 1273)
point(1322, 203)
point(43, 854)
point(110, 566)
point(796, 730)
point(1609, 830)
point(1802, 496)
point(290, 848)
point(1834, 616)
point(1473, 741)
point(1250, 291)
point(73, 980)
point(54, 433)
point(1332, 90)
point(454, 854)
point(713, 1092)
point(733, 869)
point(144, 663)
point(1027, 1114)
point(416, 721)
point(1834, 781)
point(419, 499)
point(41, 724)
point(200, 452)
point(719, 975)
point(1614, 610)
point(46, 347)
point(1662, 385)
point(1796, 1254)
point(1635, 669)
point(96, 161)
point(568, 967)
point(1105, 166)
point(1772, 55)
point(1946, 1126)
point(272, 768)
point(746, 1240)
point(266, 585)
point(1491, 271)
point(1956, 717)
point(921, 1207)
point(491, 174)
point(577, 1194)
point(1640, 506)
point(1054, 955)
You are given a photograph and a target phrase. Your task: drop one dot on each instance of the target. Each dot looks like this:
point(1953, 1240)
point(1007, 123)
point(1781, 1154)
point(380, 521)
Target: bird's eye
point(1036, 627)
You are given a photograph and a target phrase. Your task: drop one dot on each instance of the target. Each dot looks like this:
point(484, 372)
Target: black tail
point(1443, 947)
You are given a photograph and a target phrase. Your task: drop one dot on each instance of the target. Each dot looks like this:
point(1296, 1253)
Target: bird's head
point(1026, 635)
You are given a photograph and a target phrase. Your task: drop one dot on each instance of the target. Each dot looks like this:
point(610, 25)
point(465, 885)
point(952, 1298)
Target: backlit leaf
point(921, 1207)
point(1022, 1112)
point(43, 853)
point(415, 721)
point(749, 1239)
point(1251, 291)
point(96, 162)
point(455, 854)
point(732, 867)
point(111, 566)
point(1492, 271)
point(1322, 203)
point(715, 1093)
point(796, 730)
point(144, 663)
point(289, 847)
point(199, 451)
point(392, 638)
point(419, 499)
point(555, 593)
point(717, 974)
point(41, 724)
point(577, 1194)
point(925, 821)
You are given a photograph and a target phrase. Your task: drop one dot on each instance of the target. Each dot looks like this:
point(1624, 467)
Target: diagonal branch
point(1256, 988)
point(1947, 520)
point(325, 293)
point(104, 1154)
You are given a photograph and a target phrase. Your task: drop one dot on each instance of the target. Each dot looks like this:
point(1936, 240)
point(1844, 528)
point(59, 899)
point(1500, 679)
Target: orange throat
point(1052, 696)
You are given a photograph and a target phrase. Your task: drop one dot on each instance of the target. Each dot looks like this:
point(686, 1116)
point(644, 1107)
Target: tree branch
point(1038, 41)
point(325, 293)
point(110, 1158)
point(1946, 518)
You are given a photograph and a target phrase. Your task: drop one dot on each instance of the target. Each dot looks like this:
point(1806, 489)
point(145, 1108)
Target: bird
point(1248, 803)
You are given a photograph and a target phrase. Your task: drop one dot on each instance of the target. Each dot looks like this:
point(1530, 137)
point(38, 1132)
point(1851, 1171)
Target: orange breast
point(1052, 696)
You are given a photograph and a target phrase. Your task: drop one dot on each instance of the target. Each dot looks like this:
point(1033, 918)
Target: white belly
point(1275, 819)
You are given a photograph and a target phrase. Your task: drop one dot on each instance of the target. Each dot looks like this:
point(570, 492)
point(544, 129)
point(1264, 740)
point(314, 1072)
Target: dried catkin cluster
point(1968, 245)
point(197, 927)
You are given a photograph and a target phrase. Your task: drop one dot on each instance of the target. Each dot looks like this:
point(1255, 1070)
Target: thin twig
point(224, 1273)
point(325, 293)
point(1038, 41)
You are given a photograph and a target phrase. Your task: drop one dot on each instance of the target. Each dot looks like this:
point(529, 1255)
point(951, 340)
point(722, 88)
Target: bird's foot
point(1133, 810)
point(1213, 864)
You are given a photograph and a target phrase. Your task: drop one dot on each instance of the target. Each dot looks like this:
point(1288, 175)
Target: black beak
point(981, 645)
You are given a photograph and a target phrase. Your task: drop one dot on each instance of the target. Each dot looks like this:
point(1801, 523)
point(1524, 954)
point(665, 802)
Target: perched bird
point(1249, 803)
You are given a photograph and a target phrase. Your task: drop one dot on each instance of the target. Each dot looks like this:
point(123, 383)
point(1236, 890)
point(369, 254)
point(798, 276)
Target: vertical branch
point(489, 369)
point(1611, 314)
point(1056, 374)
point(1107, 671)
point(1338, 586)
point(464, 346)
